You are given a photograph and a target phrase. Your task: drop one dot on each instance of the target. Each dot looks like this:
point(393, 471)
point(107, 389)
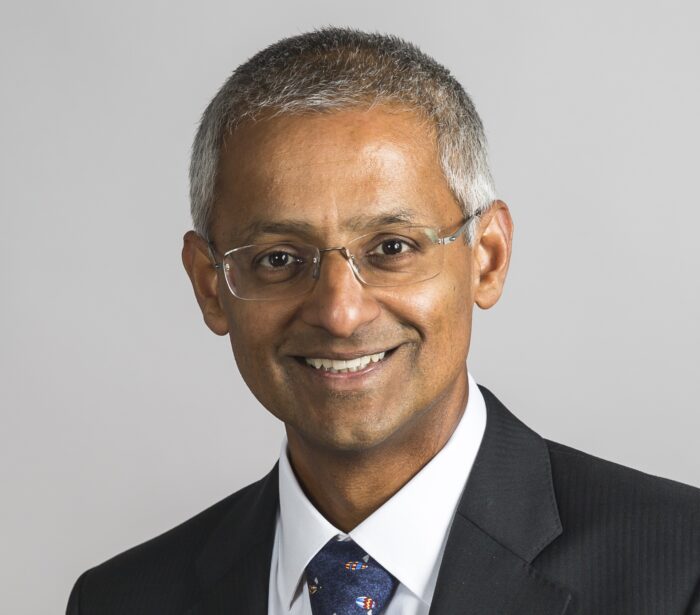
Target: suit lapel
point(234, 566)
point(507, 515)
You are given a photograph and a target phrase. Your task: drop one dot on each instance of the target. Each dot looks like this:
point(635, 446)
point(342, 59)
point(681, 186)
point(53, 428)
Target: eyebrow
point(301, 228)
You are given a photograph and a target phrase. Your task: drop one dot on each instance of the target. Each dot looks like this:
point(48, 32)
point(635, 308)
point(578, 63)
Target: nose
point(339, 302)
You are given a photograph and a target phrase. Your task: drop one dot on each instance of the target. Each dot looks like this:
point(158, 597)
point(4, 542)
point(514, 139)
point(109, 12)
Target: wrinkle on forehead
point(357, 224)
point(378, 137)
point(378, 155)
point(324, 169)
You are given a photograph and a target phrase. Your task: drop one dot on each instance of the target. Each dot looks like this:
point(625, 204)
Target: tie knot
point(344, 580)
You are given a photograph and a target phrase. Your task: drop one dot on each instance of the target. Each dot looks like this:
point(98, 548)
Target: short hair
point(338, 68)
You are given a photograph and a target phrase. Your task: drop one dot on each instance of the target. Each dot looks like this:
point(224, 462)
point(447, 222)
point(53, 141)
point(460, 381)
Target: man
point(345, 226)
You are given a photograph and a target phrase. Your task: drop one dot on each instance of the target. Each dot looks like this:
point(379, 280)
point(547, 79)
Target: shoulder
point(628, 538)
point(182, 541)
point(579, 475)
point(631, 524)
point(628, 542)
point(162, 569)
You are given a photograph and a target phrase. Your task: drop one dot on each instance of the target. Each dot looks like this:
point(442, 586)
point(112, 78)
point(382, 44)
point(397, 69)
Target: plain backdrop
point(122, 415)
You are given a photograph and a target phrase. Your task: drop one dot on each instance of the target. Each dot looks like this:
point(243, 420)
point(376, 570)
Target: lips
point(340, 366)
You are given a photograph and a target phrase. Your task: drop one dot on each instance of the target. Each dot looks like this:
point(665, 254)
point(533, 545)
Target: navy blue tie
point(344, 580)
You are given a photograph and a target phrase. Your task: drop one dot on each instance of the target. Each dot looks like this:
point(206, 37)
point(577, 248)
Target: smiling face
point(325, 179)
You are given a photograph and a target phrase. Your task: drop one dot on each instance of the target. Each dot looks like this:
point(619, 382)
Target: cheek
point(440, 310)
point(446, 302)
point(253, 330)
point(445, 313)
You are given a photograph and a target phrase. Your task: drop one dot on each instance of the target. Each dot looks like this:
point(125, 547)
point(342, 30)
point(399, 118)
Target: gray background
point(122, 415)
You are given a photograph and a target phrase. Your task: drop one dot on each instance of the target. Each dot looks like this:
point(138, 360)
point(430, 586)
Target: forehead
point(331, 171)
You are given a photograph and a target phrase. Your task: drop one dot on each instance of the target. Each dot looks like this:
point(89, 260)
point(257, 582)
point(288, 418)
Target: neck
point(347, 487)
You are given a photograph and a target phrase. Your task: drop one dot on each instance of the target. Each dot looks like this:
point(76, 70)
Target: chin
point(353, 438)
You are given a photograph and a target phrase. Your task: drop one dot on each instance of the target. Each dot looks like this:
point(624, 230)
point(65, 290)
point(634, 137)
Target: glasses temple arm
point(452, 238)
point(212, 250)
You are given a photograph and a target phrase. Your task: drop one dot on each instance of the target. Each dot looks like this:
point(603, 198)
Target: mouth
point(354, 365)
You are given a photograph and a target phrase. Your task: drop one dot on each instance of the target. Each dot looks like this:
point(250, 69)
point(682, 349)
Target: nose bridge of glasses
point(347, 255)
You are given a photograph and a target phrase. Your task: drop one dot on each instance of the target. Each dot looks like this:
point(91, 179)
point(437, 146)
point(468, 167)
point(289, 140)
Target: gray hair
point(338, 68)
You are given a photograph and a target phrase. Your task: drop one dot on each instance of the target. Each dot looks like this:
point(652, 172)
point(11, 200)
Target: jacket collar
point(506, 516)
point(233, 568)
point(510, 494)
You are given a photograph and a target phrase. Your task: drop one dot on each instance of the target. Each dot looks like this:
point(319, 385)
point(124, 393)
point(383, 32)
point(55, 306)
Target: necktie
point(344, 580)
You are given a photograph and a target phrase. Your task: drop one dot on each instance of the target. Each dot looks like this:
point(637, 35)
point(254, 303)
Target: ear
point(205, 281)
point(492, 248)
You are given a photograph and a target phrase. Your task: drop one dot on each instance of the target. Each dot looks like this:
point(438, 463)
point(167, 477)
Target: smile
point(337, 366)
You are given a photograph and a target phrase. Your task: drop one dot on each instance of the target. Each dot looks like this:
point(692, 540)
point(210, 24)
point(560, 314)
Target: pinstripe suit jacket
point(541, 529)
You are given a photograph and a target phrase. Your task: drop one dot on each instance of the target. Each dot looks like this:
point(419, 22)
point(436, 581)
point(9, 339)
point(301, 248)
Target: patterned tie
point(344, 580)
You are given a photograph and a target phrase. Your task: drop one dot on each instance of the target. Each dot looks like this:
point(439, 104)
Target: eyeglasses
point(392, 256)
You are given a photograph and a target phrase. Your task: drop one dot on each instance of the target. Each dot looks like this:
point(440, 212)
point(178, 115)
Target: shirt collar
point(407, 534)
point(303, 530)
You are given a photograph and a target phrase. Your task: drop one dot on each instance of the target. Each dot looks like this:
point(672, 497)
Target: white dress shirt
point(406, 535)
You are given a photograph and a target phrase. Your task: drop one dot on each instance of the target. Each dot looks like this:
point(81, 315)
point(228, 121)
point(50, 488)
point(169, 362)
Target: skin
point(354, 441)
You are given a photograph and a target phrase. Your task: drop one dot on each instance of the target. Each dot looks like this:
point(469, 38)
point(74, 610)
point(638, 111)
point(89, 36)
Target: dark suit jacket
point(541, 529)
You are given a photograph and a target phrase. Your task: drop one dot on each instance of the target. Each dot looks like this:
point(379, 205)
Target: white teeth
point(338, 367)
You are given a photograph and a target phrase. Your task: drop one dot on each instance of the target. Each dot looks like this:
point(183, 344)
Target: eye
point(391, 247)
point(278, 260)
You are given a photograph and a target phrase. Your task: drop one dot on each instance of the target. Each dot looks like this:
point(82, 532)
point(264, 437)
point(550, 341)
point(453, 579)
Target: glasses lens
point(270, 271)
point(393, 256)
point(397, 256)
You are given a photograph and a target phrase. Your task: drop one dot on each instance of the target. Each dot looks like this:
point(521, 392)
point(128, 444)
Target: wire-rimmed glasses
point(391, 256)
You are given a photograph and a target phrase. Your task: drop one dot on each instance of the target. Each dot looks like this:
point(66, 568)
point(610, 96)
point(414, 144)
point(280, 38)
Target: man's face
point(334, 173)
